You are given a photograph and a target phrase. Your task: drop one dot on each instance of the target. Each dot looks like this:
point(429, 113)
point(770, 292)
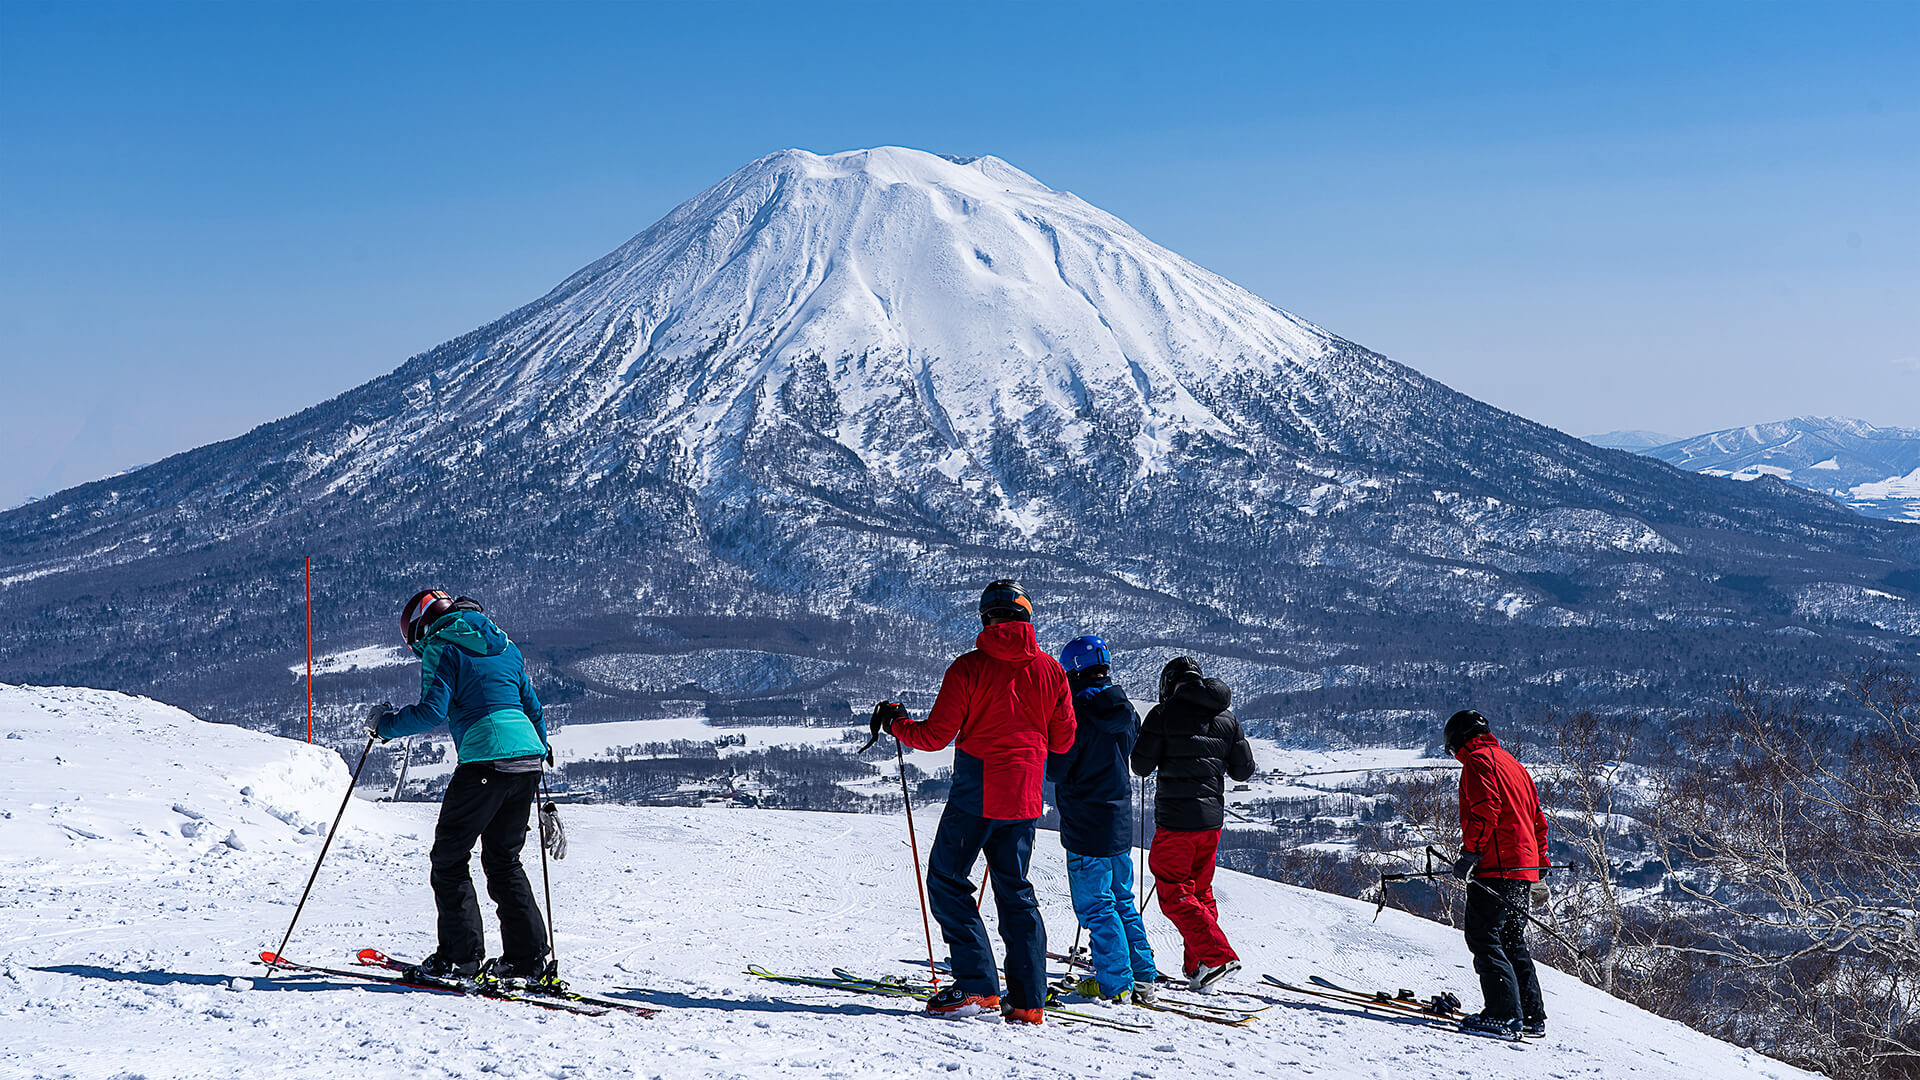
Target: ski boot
point(1011, 1015)
point(955, 1003)
point(437, 968)
point(1203, 979)
point(1499, 1027)
point(540, 977)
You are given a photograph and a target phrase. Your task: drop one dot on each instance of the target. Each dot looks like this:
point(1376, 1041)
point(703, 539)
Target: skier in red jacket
point(1503, 844)
point(1007, 706)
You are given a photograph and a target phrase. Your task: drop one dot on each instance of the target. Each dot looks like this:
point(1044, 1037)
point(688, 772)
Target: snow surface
point(583, 742)
point(368, 657)
point(126, 931)
point(1893, 487)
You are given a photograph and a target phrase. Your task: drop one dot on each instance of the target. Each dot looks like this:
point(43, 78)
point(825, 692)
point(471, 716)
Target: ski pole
point(304, 893)
point(400, 783)
point(1527, 915)
point(1140, 827)
point(1410, 875)
point(1572, 949)
point(546, 884)
point(981, 896)
point(926, 924)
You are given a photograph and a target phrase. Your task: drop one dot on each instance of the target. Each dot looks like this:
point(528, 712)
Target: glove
point(377, 713)
point(552, 836)
point(884, 715)
point(1463, 866)
point(549, 757)
point(1539, 894)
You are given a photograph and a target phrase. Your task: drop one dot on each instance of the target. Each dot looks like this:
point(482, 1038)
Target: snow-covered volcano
point(949, 329)
point(895, 301)
point(150, 857)
point(811, 411)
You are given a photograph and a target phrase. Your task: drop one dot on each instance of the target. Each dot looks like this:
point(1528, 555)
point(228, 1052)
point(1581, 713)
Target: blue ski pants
point(1009, 849)
point(1103, 902)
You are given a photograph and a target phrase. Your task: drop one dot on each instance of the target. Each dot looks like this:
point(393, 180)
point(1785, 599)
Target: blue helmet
point(1088, 650)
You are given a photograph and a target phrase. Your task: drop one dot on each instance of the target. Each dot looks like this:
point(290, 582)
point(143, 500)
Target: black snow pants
point(492, 807)
point(1497, 937)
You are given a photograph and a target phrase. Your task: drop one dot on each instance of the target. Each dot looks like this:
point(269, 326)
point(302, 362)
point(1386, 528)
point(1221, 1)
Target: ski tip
point(371, 956)
point(272, 959)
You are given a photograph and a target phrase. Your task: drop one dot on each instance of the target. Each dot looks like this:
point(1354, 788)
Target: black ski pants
point(1008, 845)
point(1497, 937)
point(492, 807)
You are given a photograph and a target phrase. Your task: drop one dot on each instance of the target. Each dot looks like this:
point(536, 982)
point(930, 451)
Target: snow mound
point(95, 771)
point(129, 947)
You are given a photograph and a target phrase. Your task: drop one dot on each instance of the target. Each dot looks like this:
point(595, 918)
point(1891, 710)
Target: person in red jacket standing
point(1006, 706)
point(1503, 844)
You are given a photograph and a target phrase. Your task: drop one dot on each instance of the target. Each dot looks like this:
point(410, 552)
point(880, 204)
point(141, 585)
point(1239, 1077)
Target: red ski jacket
point(1008, 705)
point(1500, 812)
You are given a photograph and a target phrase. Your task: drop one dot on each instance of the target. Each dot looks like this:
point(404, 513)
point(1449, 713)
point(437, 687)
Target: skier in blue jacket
point(1091, 787)
point(473, 682)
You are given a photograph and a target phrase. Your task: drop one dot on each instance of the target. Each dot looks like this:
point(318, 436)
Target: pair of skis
point(376, 966)
point(842, 979)
point(1440, 1011)
point(1209, 1011)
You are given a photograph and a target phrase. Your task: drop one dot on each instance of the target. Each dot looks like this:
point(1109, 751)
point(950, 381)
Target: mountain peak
point(901, 165)
point(845, 292)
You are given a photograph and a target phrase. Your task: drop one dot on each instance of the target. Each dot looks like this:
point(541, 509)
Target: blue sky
point(1667, 216)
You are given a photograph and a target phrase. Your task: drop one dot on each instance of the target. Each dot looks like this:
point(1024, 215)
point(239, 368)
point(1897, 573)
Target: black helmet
point(1005, 599)
point(1180, 669)
point(1462, 727)
point(426, 606)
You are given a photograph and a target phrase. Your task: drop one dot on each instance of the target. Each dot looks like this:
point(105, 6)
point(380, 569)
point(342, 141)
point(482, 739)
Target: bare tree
point(1801, 835)
point(1586, 792)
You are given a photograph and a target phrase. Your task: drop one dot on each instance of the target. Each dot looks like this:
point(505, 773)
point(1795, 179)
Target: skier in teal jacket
point(472, 680)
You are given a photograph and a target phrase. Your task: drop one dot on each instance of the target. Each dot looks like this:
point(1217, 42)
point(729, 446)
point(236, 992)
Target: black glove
point(884, 715)
point(377, 713)
point(1463, 866)
point(549, 757)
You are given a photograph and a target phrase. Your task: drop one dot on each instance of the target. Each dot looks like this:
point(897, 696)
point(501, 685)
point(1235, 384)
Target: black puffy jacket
point(1195, 742)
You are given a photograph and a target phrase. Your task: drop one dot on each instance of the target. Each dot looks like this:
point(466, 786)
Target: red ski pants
point(1182, 866)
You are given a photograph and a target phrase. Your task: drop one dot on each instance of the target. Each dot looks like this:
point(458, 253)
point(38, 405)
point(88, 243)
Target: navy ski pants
point(1009, 849)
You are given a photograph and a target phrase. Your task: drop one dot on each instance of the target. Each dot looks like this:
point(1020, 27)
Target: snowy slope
point(123, 935)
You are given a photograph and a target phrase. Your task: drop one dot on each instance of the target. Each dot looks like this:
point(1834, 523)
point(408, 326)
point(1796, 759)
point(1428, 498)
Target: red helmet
point(421, 611)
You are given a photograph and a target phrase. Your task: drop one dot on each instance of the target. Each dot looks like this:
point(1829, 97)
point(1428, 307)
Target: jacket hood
point(1476, 743)
point(472, 631)
point(1009, 641)
point(1210, 695)
point(1107, 706)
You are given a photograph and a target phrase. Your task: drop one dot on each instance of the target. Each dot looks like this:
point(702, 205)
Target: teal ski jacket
point(473, 680)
